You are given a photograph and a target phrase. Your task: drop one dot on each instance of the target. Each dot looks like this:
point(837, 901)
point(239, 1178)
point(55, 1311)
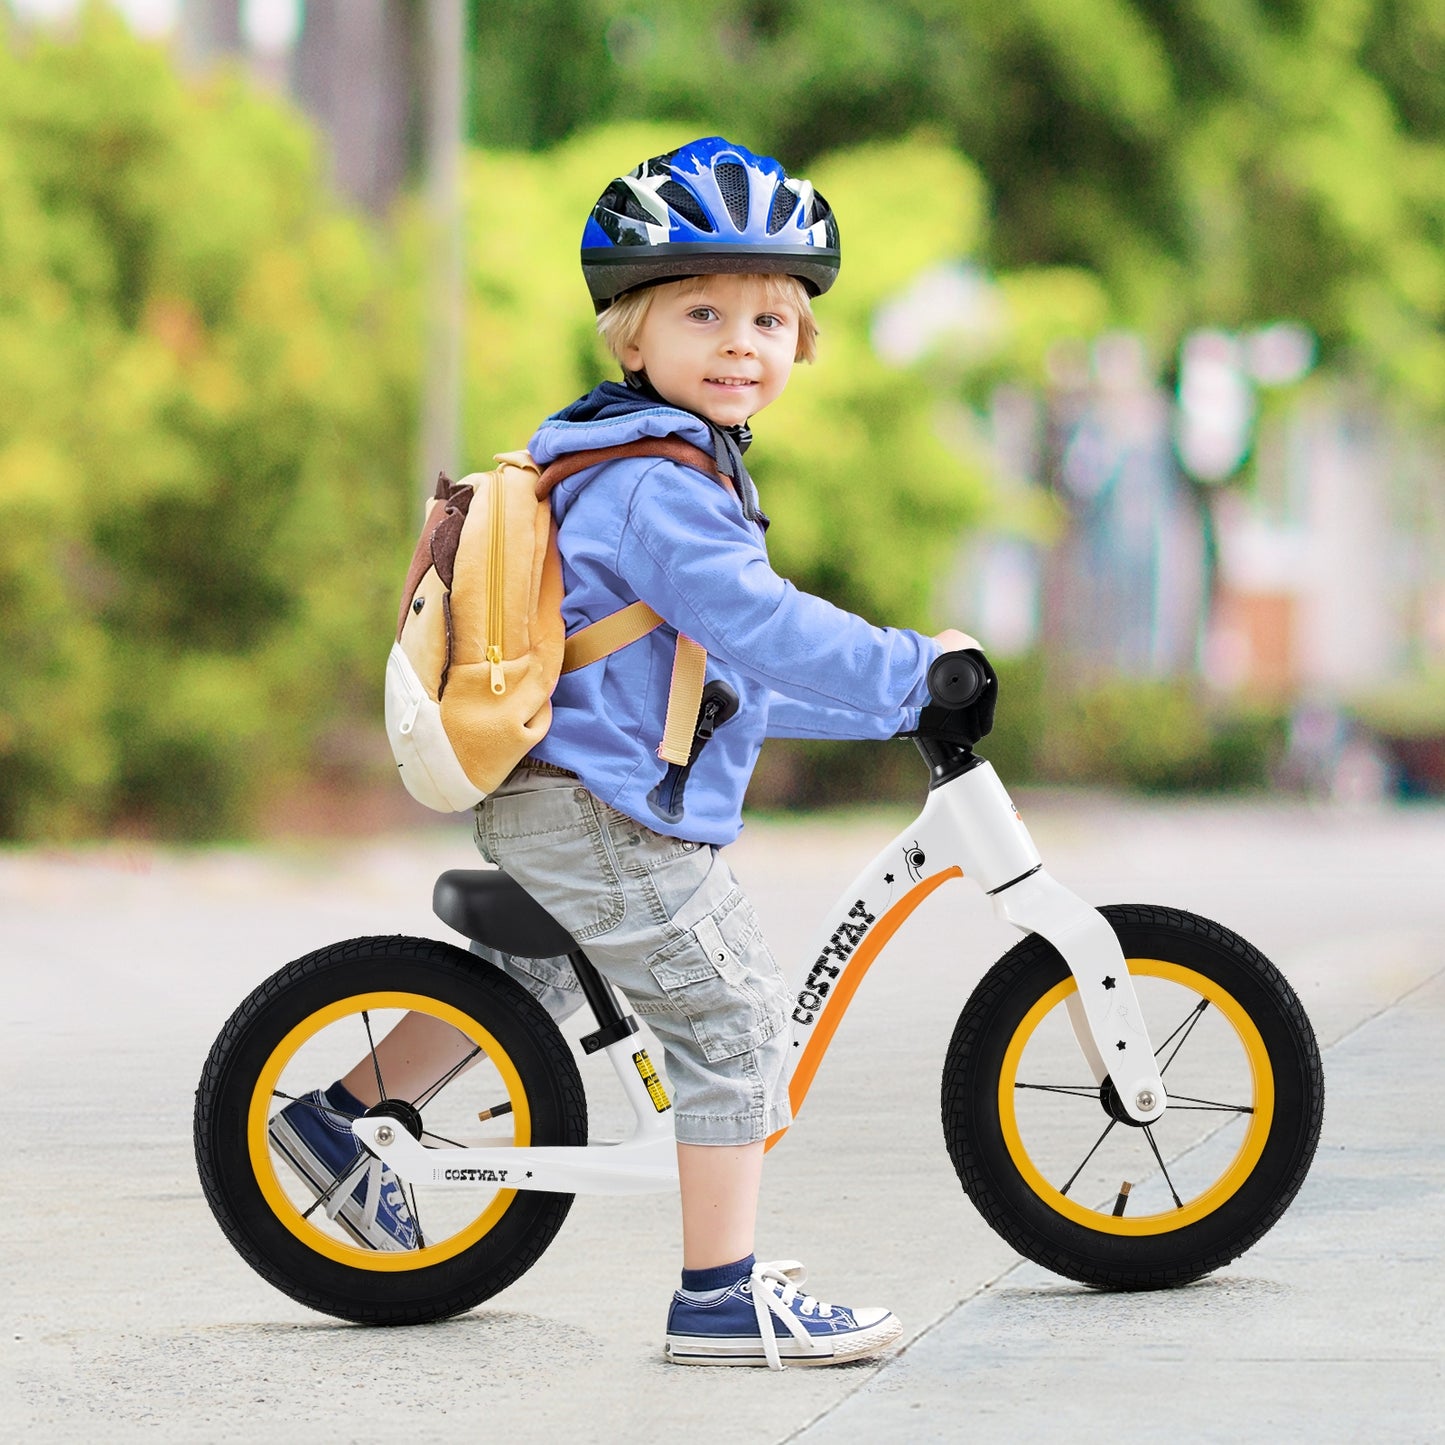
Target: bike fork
point(993, 847)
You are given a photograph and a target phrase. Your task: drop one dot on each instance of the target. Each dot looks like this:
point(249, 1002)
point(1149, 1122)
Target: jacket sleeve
point(687, 551)
point(789, 717)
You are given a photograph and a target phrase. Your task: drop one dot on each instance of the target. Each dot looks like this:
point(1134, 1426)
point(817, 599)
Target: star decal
point(1121, 1046)
point(888, 878)
point(1108, 981)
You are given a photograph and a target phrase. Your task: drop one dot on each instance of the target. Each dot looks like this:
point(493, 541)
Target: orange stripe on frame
point(847, 986)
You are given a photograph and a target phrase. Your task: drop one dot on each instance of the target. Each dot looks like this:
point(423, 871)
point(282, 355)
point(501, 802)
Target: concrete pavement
point(126, 1316)
point(1331, 1329)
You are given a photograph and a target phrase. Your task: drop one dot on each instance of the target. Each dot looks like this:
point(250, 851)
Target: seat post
point(612, 1023)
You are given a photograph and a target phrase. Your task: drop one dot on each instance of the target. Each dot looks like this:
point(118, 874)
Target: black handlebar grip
point(957, 679)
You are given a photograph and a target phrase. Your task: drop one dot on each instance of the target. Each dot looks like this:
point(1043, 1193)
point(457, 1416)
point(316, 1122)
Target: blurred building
point(1332, 568)
point(1316, 579)
point(1122, 588)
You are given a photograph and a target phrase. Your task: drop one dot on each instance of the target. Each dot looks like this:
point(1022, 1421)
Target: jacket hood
point(610, 415)
point(613, 413)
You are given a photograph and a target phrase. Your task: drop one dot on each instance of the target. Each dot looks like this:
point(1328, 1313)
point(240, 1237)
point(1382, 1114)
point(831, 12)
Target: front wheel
point(1054, 1163)
point(496, 1072)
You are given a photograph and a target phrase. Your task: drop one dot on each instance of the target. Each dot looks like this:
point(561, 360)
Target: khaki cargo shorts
point(666, 922)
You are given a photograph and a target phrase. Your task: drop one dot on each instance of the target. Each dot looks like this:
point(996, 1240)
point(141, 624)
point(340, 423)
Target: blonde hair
point(621, 324)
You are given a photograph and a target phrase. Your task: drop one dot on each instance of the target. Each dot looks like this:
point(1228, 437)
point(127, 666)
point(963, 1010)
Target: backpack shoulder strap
point(673, 448)
point(614, 632)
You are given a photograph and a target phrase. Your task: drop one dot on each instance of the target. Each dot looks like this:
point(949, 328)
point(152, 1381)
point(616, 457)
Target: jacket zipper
point(494, 589)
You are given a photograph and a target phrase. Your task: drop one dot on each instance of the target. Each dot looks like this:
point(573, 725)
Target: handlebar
point(964, 689)
point(958, 679)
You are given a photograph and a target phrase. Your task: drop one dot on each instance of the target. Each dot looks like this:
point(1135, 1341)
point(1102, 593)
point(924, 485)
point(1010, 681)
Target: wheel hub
point(405, 1114)
point(1114, 1105)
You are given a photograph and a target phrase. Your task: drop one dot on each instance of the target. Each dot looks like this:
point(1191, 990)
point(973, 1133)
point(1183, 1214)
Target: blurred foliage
point(1411, 708)
point(1219, 164)
point(209, 369)
point(208, 379)
point(1146, 734)
point(206, 392)
point(1158, 735)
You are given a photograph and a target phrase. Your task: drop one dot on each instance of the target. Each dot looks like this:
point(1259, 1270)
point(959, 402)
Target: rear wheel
point(1053, 1161)
point(507, 1077)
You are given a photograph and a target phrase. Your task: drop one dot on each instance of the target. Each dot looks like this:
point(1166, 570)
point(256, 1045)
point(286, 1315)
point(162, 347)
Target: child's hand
point(952, 640)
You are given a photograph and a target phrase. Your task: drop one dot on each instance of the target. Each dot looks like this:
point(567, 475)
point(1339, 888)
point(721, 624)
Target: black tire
point(1019, 1179)
point(518, 1050)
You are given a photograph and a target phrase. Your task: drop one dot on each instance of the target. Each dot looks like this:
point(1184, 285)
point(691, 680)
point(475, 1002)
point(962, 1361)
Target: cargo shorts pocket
point(706, 977)
point(553, 843)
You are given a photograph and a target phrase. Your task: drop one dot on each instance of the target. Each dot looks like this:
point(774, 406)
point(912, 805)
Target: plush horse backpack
point(479, 638)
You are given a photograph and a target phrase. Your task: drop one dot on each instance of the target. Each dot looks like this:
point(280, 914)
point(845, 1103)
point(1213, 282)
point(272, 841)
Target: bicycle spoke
point(1184, 1101)
point(431, 1091)
point(375, 1062)
point(1089, 1155)
point(1149, 1135)
point(428, 1134)
point(306, 1103)
point(1077, 1091)
point(333, 1186)
point(1188, 1027)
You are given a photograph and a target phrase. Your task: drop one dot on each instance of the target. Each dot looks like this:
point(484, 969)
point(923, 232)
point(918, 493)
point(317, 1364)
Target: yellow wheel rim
point(262, 1106)
point(1240, 1168)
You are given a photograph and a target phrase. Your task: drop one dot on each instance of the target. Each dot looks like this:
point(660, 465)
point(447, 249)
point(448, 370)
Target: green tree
point(206, 395)
point(1212, 163)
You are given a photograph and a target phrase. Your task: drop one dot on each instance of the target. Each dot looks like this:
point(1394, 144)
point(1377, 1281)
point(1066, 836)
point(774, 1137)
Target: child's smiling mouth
point(738, 381)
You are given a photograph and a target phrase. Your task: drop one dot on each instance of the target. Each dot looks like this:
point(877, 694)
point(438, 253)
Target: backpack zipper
point(494, 588)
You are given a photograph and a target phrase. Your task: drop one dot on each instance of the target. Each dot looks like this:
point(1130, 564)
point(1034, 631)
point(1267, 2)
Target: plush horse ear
point(445, 514)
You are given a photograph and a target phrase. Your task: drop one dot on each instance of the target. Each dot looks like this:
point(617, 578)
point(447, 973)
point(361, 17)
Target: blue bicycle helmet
point(709, 206)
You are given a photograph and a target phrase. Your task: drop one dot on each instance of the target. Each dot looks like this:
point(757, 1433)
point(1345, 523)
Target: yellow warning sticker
point(651, 1082)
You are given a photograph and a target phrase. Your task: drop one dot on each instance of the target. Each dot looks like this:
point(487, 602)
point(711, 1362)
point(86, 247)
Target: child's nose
point(738, 343)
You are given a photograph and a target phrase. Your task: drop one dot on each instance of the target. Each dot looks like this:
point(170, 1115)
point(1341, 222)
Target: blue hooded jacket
point(652, 529)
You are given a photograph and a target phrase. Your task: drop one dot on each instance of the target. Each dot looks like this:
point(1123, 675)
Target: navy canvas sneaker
point(739, 1325)
point(313, 1135)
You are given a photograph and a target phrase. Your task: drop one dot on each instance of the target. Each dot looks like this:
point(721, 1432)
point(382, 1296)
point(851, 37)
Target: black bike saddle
point(488, 906)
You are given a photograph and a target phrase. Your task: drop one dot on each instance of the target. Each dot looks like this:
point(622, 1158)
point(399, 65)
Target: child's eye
point(702, 313)
point(768, 321)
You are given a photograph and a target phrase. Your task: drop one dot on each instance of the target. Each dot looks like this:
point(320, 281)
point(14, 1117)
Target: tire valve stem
point(1123, 1199)
point(495, 1112)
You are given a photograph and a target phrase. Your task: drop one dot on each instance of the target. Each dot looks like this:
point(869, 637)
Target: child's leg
point(418, 1052)
point(719, 1184)
point(664, 920)
point(420, 1049)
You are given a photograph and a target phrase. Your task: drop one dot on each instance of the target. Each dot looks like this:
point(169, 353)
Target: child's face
point(717, 346)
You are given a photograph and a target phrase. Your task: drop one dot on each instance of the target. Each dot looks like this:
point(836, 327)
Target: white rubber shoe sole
point(840, 1349)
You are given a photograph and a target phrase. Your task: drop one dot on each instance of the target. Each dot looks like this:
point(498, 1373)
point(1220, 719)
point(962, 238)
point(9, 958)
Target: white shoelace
point(378, 1178)
point(775, 1290)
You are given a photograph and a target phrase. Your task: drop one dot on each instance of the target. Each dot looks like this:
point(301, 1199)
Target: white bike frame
point(968, 828)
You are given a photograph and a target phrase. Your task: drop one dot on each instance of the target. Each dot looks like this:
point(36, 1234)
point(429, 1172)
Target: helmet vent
point(732, 181)
point(620, 199)
point(784, 204)
point(685, 204)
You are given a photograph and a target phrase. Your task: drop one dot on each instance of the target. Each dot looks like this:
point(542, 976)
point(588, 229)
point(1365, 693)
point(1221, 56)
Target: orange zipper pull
point(499, 681)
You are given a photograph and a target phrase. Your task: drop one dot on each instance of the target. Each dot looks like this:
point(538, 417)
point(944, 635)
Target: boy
point(701, 264)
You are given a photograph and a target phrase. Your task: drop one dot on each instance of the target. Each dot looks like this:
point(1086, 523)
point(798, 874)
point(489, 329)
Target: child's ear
point(631, 358)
